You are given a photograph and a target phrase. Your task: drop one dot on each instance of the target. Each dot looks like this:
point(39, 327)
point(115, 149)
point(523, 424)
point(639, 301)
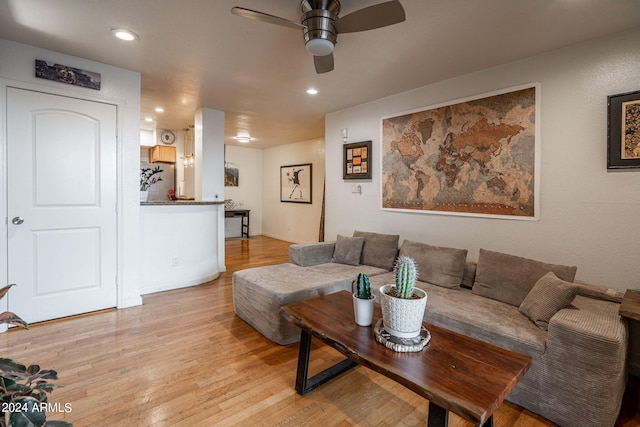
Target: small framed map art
point(356, 162)
point(623, 123)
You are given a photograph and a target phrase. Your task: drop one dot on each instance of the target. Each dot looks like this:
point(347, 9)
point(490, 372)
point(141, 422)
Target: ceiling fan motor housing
point(319, 17)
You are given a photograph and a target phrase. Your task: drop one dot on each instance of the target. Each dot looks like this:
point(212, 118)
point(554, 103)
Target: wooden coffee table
point(454, 372)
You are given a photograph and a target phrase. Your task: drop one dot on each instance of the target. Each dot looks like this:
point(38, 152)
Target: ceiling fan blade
point(323, 64)
point(265, 17)
point(369, 18)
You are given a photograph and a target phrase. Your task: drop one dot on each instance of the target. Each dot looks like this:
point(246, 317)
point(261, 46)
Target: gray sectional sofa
point(572, 331)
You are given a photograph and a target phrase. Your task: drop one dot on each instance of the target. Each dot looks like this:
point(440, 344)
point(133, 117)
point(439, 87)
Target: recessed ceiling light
point(243, 137)
point(159, 110)
point(312, 91)
point(148, 119)
point(125, 35)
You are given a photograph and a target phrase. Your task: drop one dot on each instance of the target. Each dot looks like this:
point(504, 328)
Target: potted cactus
point(363, 300)
point(402, 304)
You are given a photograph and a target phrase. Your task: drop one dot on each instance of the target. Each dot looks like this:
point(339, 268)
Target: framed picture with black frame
point(295, 183)
point(356, 160)
point(623, 126)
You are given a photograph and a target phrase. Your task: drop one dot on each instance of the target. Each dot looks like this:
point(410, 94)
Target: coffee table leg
point(438, 416)
point(303, 384)
point(489, 422)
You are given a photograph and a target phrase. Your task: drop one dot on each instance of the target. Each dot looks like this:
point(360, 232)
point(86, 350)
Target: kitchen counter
point(182, 243)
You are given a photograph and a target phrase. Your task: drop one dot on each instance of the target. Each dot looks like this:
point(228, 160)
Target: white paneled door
point(61, 174)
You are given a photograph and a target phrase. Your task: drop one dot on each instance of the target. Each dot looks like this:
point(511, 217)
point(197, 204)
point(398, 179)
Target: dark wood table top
point(463, 375)
point(630, 306)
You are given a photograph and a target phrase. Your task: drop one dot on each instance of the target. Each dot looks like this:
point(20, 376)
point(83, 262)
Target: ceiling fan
point(321, 25)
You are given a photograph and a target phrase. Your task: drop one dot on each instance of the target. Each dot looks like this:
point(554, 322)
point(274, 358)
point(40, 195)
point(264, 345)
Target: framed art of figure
point(623, 123)
point(295, 183)
point(356, 160)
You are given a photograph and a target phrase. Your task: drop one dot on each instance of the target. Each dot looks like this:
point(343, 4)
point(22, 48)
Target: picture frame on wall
point(295, 183)
point(356, 160)
point(68, 75)
point(623, 131)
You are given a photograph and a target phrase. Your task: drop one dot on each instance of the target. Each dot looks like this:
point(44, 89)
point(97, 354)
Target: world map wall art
point(476, 156)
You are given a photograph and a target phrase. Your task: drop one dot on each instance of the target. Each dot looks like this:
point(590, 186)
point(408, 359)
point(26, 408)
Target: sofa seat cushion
point(258, 293)
point(487, 320)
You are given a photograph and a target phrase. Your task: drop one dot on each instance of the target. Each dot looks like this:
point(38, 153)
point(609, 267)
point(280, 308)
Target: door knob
point(17, 220)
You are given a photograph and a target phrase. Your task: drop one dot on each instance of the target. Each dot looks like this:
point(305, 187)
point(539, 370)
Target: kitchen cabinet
point(162, 154)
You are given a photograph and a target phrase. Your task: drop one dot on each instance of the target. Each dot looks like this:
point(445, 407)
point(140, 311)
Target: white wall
point(248, 193)
point(209, 154)
point(179, 246)
point(589, 217)
point(292, 222)
point(119, 87)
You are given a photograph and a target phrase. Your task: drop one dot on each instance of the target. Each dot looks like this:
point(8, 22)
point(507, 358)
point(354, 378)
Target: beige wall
point(293, 222)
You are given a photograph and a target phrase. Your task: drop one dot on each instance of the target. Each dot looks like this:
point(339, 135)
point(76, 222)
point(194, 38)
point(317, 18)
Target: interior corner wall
point(292, 222)
point(248, 193)
point(589, 217)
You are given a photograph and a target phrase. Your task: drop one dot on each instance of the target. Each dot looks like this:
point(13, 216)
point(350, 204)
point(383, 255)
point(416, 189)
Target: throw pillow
point(509, 278)
point(379, 250)
point(437, 265)
point(548, 296)
point(348, 250)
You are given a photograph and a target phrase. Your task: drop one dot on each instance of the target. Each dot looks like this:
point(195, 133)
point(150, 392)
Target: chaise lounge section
point(572, 331)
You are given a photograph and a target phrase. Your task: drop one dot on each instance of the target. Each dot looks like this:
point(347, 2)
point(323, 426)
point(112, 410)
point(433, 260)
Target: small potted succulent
point(363, 300)
point(402, 304)
point(147, 179)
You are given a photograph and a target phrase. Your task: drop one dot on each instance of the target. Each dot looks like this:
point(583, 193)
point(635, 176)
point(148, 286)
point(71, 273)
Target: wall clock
point(167, 137)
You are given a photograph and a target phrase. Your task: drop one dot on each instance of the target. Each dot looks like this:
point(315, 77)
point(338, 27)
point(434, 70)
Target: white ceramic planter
point(402, 317)
point(144, 195)
point(363, 310)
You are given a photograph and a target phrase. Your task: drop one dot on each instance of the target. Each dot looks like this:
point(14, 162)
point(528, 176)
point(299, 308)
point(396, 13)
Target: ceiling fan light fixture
point(319, 47)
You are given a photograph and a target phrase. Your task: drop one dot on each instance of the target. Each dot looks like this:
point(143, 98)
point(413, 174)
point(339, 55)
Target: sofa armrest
point(307, 254)
point(599, 292)
point(586, 365)
point(589, 336)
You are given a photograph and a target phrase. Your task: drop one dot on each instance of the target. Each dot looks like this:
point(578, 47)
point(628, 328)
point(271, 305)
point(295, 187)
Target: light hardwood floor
point(184, 359)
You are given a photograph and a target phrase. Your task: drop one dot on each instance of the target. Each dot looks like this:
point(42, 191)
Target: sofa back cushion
point(509, 278)
point(437, 265)
point(379, 250)
point(348, 250)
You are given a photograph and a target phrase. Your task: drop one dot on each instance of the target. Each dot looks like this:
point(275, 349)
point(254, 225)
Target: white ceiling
point(194, 53)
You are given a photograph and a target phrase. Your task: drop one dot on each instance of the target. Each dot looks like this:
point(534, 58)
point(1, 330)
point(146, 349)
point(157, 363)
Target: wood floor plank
point(184, 359)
